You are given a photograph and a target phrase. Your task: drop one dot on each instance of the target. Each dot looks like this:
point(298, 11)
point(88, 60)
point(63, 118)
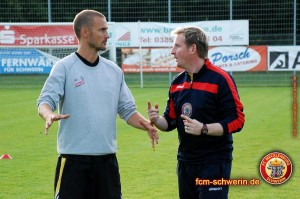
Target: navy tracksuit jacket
point(211, 97)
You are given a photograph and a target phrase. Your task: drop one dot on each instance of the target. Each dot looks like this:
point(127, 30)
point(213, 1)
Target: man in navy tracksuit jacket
point(205, 108)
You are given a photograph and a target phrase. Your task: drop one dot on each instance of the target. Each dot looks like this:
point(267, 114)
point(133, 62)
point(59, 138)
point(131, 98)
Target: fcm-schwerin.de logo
point(276, 168)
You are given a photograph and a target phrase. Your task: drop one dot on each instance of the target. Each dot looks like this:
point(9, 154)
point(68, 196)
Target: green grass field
point(147, 174)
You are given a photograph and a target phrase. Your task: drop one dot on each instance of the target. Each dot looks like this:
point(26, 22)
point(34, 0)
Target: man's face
point(180, 51)
point(98, 34)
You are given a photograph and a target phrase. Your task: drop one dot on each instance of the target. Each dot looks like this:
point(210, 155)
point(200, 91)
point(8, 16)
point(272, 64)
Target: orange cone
point(5, 156)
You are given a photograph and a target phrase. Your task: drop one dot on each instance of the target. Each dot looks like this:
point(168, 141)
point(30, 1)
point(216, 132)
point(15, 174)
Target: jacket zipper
point(191, 83)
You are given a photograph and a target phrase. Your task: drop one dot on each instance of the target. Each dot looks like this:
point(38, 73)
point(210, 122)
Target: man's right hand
point(50, 118)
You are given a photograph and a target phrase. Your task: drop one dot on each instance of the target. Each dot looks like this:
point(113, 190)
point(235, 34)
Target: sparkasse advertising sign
point(37, 35)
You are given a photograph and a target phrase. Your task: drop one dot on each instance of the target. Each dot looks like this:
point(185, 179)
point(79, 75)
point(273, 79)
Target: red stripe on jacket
point(172, 113)
point(212, 88)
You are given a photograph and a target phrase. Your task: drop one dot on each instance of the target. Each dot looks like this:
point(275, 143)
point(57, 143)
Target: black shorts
point(87, 177)
point(196, 181)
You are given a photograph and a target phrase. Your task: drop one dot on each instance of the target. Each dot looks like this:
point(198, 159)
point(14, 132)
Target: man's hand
point(152, 132)
point(191, 126)
point(50, 118)
point(153, 113)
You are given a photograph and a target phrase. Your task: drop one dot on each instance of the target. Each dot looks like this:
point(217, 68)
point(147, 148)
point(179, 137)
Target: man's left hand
point(191, 126)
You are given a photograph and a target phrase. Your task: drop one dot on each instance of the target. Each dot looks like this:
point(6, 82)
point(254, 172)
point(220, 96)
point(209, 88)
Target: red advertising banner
point(38, 35)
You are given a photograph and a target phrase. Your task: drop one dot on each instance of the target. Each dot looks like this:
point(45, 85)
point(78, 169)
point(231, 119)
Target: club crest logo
point(187, 109)
point(276, 168)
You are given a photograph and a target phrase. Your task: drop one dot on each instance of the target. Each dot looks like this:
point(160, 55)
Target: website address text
point(227, 182)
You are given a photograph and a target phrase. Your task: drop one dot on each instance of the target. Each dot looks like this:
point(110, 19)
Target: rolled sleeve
point(126, 105)
point(53, 89)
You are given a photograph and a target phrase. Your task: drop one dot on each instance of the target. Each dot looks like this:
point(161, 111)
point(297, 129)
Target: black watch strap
point(204, 130)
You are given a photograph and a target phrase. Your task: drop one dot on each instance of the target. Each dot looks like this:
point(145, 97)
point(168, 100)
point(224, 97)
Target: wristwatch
point(204, 129)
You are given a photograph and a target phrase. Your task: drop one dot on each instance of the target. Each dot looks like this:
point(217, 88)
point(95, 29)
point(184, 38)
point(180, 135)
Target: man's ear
point(84, 32)
point(193, 49)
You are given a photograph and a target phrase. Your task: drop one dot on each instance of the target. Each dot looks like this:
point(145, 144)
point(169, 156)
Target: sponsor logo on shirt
point(79, 81)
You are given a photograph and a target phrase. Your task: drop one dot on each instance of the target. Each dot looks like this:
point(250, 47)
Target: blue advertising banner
point(25, 61)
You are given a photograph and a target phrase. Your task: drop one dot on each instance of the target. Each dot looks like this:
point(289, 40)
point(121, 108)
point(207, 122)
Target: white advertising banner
point(152, 34)
point(284, 58)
